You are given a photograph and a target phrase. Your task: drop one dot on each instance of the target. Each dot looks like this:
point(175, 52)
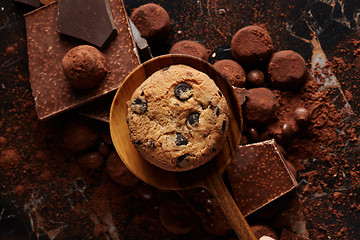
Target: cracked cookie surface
point(178, 118)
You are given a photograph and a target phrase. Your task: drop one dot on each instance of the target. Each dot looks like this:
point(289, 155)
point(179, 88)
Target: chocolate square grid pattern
point(46, 48)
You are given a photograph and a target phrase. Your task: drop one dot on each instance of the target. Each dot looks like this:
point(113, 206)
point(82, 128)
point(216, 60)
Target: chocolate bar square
point(258, 175)
point(53, 94)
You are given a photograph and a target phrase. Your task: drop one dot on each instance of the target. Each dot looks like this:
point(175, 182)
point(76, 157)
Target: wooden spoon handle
point(217, 187)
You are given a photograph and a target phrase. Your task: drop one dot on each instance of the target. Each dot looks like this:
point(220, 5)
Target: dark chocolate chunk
point(33, 3)
point(223, 125)
point(180, 140)
point(217, 111)
point(181, 159)
point(183, 91)
point(138, 142)
point(142, 93)
point(220, 94)
point(193, 119)
point(139, 106)
point(249, 171)
point(88, 20)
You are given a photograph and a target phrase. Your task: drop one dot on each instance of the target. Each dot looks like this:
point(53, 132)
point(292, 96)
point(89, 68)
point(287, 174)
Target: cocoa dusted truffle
point(259, 105)
point(233, 72)
point(92, 160)
point(191, 48)
point(80, 134)
point(287, 70)
point(152, 21)
point(118, 172)
point(84, 66)
point(251, 45)
point(176, 216)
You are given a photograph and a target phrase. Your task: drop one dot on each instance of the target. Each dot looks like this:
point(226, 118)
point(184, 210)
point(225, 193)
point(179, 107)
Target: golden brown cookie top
point(178, 118)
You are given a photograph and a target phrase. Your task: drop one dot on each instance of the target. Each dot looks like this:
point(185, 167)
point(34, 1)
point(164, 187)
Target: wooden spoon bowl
point(208, 175)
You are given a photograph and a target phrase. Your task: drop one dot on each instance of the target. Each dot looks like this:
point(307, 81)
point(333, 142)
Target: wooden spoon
point(208, 175)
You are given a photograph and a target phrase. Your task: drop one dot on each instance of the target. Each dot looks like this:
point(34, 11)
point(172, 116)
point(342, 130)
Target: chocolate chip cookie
point(178, 118)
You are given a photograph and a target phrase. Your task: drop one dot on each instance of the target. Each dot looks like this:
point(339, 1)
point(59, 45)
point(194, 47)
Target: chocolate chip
point(217, 111)
point(223, 125)
point(152, 144)
point(180, 140)
point(183, 91)
point(181, 159)
point(220, 94)
point(212, 107)
point(138, 142)
point(193, 119)
point(142, 93)
point(139, 106)
point(213, 149)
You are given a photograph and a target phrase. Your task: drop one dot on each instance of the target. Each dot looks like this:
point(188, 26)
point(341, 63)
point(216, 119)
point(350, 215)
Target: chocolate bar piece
point(33, 3)
point(88, 20)
point(287, 235)
point(53, 94)
point(258, 175)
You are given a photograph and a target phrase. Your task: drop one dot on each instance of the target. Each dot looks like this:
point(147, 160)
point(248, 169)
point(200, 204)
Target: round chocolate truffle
point(255, 78)
point(191, 48)
point(92, 160)
point(118, 172)
point(84, 66)
point(233, 72)
point(261, 230)
point(80, 135)
point(259, 105)
point(176, 216)
point(152, 21)
point(251, 45)
point(287, 70)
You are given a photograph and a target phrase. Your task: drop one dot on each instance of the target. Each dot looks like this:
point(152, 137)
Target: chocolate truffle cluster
point(261, 73)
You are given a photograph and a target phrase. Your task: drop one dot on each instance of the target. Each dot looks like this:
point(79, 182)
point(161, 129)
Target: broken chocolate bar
point(52, 92)
point(88, 20)
point(258, 175)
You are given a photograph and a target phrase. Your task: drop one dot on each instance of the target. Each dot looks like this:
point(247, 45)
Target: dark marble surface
point(291, 24)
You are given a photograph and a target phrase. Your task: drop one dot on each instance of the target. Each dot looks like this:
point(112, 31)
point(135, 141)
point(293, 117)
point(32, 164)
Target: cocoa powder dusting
point(53, 189)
